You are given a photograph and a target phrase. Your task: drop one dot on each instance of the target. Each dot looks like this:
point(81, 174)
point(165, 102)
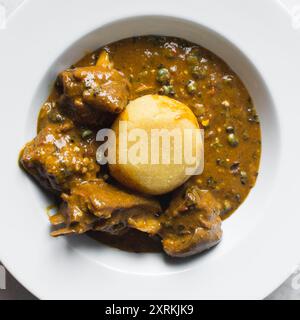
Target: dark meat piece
point(91, 95)
point(132, 241)
point(192, 223)
point(96, 205)
point(58, 159)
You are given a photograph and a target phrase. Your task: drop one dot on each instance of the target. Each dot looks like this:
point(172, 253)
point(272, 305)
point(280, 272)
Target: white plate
point(261, 240)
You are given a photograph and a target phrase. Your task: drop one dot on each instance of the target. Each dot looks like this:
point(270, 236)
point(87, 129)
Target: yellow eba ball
point(153, 113)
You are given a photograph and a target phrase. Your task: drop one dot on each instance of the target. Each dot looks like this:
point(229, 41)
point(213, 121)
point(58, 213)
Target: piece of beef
point(96, 205)
point(189, 226)
point(58, 158)
point(93, 95)
point(192, 223)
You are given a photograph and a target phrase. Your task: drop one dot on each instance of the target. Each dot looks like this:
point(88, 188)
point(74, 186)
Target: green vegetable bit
point(86, 133)
point(167, 90)
point(192, 59)
point(233, 140)
point(244, 177)
point(191, 87)
point(163, 76)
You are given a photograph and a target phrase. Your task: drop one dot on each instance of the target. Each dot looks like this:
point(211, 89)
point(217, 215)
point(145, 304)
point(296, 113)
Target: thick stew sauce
point(88, 96)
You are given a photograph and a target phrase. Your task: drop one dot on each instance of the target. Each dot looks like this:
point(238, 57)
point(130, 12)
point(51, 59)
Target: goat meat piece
point(192, 223)
point(58, 160)
point(98, 206)
point(93, 95)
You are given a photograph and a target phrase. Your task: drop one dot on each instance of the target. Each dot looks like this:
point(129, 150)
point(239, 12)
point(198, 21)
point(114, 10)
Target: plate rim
point(23, 11)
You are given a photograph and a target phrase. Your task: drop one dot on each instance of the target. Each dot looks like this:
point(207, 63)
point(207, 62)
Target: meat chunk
point(58, 159)
point(96, 205)
point(91, 95)
point(192, 223)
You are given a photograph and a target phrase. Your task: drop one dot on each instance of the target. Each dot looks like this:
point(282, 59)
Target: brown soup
point(201, 80)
